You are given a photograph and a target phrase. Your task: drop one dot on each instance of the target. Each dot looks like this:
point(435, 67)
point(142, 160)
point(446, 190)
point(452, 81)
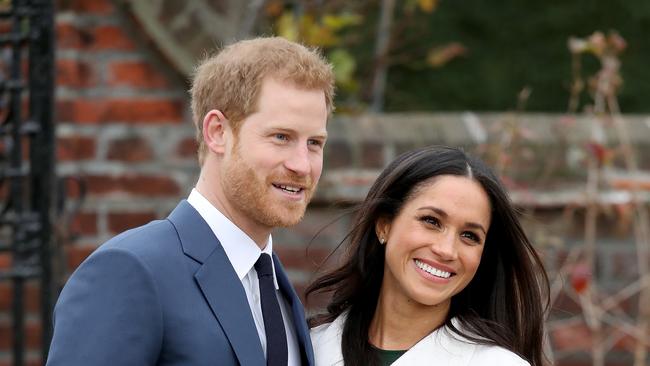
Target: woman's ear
point(216, 131)
point(382, 229)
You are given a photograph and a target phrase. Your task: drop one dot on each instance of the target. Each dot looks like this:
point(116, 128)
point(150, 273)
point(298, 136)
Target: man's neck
point(214, 195)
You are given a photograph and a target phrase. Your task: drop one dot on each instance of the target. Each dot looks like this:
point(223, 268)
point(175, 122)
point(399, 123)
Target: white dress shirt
point(243, 253)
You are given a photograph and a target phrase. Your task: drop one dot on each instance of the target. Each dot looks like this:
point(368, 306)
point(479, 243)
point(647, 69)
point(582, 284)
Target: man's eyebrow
point(323, 135)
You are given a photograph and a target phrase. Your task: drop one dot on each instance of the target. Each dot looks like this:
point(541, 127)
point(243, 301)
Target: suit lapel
point(297, 311)
point(219, 283)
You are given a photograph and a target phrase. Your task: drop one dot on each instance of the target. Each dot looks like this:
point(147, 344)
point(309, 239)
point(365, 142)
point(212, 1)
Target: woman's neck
point(400, 323)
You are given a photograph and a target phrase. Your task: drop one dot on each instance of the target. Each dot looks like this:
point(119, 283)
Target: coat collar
point(224, 293)
point(219, 283)
point(441, 346)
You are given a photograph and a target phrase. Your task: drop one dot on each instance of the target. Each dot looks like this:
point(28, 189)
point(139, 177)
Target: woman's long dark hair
point(503, 305)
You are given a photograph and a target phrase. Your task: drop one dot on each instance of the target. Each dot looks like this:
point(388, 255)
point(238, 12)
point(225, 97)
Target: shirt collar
point(241, 250)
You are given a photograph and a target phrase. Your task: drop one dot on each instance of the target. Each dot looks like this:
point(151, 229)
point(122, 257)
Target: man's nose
point(298, 161)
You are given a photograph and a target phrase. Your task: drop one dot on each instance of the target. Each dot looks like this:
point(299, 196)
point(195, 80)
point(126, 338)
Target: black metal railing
point(27, 157)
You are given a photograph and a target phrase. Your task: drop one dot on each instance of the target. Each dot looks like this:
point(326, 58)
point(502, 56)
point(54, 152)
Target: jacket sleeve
point(108, 314)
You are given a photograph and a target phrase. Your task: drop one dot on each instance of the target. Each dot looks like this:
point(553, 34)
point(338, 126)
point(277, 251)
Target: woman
point(439, 272)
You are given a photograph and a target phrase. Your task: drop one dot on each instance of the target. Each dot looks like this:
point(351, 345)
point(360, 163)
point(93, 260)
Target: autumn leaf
point(274, 8)
point(428, 6)
point(580, 278)
point(344, 66)
point(599, 151)
point(287, 27)
point(338, 22)
point(440, 56)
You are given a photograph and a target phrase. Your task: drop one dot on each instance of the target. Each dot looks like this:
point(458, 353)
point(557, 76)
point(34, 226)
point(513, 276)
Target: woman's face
point(434, 244)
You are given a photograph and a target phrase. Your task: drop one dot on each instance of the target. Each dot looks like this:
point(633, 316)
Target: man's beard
point(253, 195)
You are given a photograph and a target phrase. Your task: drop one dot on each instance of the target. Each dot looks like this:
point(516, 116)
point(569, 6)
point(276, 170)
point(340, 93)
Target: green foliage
point(471, 54)
point(518, 44)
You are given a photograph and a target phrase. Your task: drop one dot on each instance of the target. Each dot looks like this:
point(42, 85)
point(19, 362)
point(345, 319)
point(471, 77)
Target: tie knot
point(263, 266)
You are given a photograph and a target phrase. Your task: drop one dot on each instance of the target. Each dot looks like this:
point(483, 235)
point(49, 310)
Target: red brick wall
point(123, 129)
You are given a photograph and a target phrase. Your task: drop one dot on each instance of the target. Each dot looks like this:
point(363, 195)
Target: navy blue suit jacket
point(163, 294)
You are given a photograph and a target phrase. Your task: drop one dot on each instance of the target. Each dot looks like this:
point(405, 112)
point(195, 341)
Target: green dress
point(387, 357)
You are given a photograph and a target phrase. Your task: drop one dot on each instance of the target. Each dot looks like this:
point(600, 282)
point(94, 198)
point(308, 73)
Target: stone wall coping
point(468, 128)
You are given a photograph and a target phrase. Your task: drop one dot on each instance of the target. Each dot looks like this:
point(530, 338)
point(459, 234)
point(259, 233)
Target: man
point(199, 288)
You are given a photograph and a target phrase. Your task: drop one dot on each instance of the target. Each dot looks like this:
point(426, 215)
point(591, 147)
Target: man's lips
point(289, 188)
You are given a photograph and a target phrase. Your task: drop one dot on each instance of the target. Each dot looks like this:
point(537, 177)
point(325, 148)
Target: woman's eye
point(471, 236)
point(431, 221)
point(281, 136)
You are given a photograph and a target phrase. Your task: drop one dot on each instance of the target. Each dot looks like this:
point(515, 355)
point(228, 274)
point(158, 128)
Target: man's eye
point(281, 136)
point(315, 142)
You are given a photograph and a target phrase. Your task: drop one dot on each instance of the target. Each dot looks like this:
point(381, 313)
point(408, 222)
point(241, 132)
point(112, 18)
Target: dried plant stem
point(641, 233)
point(587, 301)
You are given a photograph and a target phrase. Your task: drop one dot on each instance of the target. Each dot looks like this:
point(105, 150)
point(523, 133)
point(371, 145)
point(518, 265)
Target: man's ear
point(216, 131)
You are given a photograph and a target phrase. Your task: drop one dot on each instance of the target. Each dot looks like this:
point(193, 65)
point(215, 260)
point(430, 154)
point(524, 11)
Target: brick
point(77, 254)
point(136, 74)
point(5, 296)
point(337, 155)
point(119, 222)
point(631, 184)
point(84, 223)
point(33, 332)
point(100, 38)
point(31, 299)
point(101, 7)
point(572, 337)
point(143, 111)
point(70, 37)
point(131, 149)
point(187, 148)
point(73, 187)
point(132, 111)
point(301, 258)
point(24, 143)
point(111, 37)
point(143, 185)
point(75, 148)
point(30, 360)
point(5, 260)
point(372, 155)
point(74, 73)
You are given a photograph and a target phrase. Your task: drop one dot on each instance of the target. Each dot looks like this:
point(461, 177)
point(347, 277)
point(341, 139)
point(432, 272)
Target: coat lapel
point(442, 346)
point(297, 310)
point(219, 283)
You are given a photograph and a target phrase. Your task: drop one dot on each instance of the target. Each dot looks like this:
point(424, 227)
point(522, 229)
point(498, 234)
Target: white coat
point(440, 348)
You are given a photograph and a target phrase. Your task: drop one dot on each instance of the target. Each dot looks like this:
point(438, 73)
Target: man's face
point(271, 170)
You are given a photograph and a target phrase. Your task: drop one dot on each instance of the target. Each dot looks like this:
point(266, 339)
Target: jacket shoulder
point(326, 341)
point(498, 356)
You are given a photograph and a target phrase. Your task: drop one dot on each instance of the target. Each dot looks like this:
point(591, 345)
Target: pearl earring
point(382, 241)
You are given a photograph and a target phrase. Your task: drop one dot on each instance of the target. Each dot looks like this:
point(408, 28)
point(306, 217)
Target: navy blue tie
point(276, 336)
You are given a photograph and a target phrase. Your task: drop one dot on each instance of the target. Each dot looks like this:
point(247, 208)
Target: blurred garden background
point(554, 94)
